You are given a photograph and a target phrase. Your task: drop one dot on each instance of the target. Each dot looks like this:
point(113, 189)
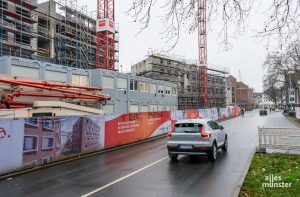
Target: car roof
point(200, 121)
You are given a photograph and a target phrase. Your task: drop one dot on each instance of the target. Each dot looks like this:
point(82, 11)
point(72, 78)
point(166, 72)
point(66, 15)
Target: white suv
point(197, 137)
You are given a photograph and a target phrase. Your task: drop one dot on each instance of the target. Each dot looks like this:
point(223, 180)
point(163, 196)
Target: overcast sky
point(247, 55)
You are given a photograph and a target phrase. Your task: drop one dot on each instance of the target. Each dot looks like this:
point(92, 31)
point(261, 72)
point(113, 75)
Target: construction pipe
point(49, 84)
point(12, 107)
point(16, 82)
point(35, 94)
point(27, 104)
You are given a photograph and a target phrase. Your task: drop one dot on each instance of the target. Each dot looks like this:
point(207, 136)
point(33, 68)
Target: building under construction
point(58, 32)
point(161, 66)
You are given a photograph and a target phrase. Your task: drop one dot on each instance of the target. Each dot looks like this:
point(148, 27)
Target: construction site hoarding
point(28, 142)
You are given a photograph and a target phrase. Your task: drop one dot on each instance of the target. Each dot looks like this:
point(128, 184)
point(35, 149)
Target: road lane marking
point(121, 179)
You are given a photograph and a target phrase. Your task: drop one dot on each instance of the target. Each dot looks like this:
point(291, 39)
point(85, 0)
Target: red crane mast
point(105, 30)
point(202, 41)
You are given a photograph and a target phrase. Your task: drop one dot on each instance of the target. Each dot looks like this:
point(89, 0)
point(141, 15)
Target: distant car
point(263, 112)
point(197, 137)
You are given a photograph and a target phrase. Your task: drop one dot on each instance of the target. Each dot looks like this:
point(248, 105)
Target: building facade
point(129, 93)
point(186, 76)
point(257, 99)
point(58, 32)
point(244, 95)
point(85, 135)
point(41, 140)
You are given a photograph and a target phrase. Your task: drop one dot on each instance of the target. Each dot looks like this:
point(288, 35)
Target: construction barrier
point(27, 142)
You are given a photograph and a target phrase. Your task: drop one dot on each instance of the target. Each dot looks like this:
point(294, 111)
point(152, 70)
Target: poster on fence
point(214, 114)
point(11, 144)
point(192, 113)
point(129, 128)
point(223, 113)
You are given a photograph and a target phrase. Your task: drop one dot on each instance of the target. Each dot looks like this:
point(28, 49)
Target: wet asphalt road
point(187, 177)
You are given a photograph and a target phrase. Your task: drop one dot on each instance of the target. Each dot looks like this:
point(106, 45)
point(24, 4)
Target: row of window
point(110, 109)
point(31, 143)
point(34, 73)
point(48, 123)
point(142, 86)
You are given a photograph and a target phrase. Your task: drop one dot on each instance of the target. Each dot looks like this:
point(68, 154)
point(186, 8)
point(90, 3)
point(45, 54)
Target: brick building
point(41, 140)
point(85, 135)
point(238, 93)
point(244, 95)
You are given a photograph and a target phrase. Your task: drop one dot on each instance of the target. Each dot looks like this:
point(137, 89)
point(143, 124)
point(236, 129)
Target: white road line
point(121, 179)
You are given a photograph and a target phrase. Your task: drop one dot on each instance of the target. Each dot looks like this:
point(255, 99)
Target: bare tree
point(282, 17)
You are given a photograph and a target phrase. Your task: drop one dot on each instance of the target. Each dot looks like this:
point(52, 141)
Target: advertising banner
point(223, 113)
point(235, 111)
point(192, 113)
point(206, 113)
point(11, 144)
point(81, 134)
point(214, 114)
point(129, 128)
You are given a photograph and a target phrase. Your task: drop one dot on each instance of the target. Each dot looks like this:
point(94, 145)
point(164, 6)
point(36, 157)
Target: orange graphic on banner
point(129, 128)
point(192, 113)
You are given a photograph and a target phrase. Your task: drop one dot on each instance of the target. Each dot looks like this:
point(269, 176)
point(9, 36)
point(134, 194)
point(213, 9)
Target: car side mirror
point(221, 127)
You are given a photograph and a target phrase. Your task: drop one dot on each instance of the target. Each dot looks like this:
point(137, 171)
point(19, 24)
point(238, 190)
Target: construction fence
point(28, 142)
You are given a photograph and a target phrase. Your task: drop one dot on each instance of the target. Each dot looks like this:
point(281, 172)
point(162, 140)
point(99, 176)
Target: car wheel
point(173, 157)
point(212, 155)
point(225, 146)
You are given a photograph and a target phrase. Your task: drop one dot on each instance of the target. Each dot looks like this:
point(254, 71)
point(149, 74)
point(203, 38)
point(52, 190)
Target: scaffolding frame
point(56, 31)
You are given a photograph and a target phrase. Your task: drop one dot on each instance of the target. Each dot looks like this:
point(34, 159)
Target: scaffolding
point(185, 73)
point(59, 32)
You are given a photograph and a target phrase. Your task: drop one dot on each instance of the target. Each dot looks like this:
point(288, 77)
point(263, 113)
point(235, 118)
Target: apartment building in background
point(177, 70)
point(59, 32)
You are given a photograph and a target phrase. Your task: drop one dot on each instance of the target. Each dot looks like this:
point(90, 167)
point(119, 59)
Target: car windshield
point(187, 128)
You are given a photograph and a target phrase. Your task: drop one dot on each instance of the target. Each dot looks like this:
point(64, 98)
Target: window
point(56, 76)
point(122, 83)
point(144, 108)
point(153, 108)
point(134, 108)
point(80, 80)
point(48, 123)
point(161, 89)
point(48, 143)
point(169, 62)
point(187, 128)
point(144, 86)
point(108, 82)
point(27, 72)
point(133, 85)
point(168, 90)
point(109, 109)
point(174, 91)
point(153, 88)
point(30, 143)
point(213, 125)
point(46, 160)
point(32, 121)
